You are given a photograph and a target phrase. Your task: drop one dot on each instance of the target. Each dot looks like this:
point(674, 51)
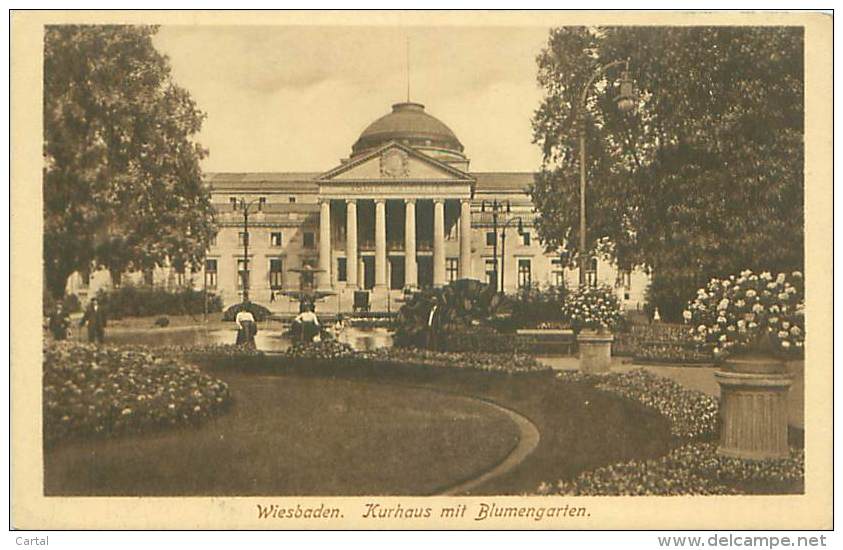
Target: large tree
point(704, 177)
point(122, 184)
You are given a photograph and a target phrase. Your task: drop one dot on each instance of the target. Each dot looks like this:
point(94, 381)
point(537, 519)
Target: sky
point(290, 99)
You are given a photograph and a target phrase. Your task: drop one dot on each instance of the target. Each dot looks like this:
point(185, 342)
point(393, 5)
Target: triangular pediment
point(395, 162)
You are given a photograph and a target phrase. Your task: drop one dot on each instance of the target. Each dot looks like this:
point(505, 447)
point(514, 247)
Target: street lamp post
point(246, 208)
point(496, 208)
point(503, 247)
point(625, 102)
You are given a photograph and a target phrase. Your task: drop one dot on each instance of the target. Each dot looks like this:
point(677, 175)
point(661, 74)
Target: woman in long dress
point(246, 328)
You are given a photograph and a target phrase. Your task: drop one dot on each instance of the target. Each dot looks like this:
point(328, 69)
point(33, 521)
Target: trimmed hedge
point(143, 301)
point(478, 339)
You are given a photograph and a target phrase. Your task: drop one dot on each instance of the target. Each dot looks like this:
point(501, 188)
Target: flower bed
point(491, 362)
point(693, 469)
point(105, 391)
point(336, 352)
point(660, 343)
point(660, 352)
point(326, 349)
point(692, 414)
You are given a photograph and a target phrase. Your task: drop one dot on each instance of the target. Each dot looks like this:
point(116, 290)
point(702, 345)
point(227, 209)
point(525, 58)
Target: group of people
point(94, 317)
point(305, 327)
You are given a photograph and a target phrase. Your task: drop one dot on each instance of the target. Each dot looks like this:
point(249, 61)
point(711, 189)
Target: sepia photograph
point(525, 261)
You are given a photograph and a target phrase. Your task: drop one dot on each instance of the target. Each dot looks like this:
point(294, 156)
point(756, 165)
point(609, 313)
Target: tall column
point(411, 271)
point(351, 243)
point(324, 277)
point(380, 243)
point(465, 238)
point(438, 242)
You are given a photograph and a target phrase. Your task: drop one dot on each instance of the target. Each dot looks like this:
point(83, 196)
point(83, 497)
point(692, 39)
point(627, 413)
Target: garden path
point(527, 443)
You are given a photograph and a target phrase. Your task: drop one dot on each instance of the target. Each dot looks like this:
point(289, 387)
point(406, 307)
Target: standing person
point(309, 323)
point(59, 323)
point(246, 327)
point(96, 320)
point(432, 328)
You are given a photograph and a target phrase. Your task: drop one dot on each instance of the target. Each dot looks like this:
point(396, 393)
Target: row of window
point(309, 239)
point(276, 239)
point(234, 201)
point(276, 271)
point(525, 273)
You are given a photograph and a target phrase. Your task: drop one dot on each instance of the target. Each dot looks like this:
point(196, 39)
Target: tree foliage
point(122, 184)
point(703, 178)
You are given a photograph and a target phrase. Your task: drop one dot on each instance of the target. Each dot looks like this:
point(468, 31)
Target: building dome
point(410, 125)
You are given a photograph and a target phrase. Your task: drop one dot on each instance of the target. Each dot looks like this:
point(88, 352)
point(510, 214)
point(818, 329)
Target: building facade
point(403, 210)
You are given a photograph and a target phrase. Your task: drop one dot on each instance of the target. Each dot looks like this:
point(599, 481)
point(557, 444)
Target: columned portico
point(411, 273)
point(401, 208)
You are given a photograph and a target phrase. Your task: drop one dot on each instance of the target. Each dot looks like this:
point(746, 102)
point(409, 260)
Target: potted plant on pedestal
point(593, 312)
point(754, 323)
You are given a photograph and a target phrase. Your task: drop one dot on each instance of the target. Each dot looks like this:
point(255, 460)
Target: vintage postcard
point(421, 270)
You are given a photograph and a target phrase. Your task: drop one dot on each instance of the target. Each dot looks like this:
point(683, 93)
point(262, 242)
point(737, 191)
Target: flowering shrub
point(750, 312)
point(691, 414)
point(694, 469)
point(106, 391)
point(595, 308)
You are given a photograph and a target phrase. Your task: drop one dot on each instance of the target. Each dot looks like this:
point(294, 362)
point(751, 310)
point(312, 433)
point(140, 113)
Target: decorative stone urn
point(595, 351)
point(753, 407)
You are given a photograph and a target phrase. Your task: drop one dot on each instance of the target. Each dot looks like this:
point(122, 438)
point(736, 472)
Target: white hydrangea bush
point(750, 311)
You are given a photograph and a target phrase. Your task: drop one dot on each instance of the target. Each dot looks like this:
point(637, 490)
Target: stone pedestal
point(595, 352)
point(753, 410)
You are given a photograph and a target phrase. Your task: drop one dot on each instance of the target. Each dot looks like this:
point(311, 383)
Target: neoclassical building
point(403, 210)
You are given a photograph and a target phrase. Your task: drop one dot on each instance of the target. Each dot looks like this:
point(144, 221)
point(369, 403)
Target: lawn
point(298, 436)
point(367, 431)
